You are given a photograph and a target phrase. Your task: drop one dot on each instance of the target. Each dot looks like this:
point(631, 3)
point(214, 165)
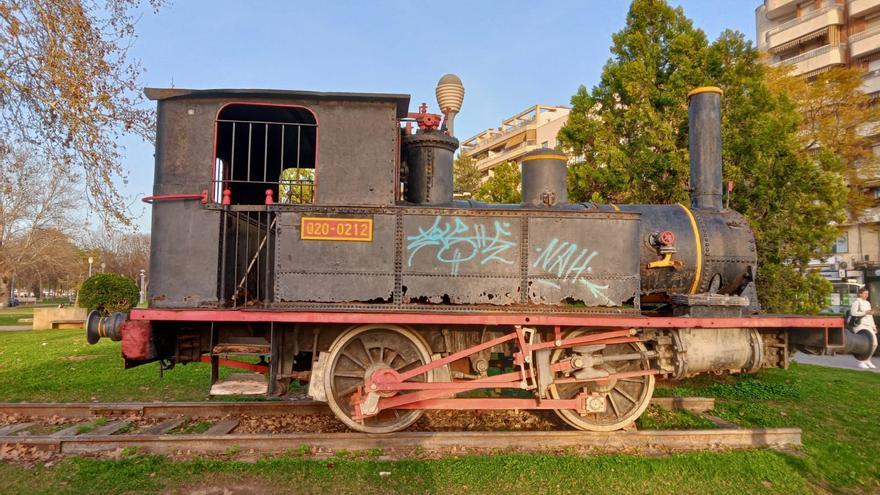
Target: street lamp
point(91, 260)
point(143, 287)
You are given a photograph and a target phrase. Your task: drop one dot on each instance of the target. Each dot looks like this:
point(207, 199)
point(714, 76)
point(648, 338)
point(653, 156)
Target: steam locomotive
point(319, 232)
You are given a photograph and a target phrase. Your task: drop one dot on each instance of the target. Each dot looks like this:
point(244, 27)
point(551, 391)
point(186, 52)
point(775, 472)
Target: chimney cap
point(543, 154)
point(705, 89)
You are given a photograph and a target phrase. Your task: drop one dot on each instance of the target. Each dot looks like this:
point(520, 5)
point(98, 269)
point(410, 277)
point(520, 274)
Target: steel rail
point(660, 440)
point(252, 408)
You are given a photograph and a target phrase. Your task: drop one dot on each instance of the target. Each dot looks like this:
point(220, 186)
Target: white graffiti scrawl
point(570, 263)
point(457, 242)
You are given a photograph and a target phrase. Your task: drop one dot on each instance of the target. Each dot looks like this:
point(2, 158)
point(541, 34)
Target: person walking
point(864, 315)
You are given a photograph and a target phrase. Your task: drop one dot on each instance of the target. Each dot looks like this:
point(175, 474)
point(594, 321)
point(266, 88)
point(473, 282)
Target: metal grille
point(246, 256)
point(256, 156)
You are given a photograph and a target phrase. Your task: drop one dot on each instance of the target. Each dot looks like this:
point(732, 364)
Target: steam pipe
point(704, 137)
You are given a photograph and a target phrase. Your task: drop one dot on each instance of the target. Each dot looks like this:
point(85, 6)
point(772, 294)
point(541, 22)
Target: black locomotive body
point(314, 230)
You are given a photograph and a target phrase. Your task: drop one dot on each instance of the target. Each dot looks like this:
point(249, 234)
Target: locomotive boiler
point(319, 232)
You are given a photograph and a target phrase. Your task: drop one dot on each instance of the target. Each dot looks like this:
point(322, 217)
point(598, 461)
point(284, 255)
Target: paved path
point(847, 362)
point(12, 328)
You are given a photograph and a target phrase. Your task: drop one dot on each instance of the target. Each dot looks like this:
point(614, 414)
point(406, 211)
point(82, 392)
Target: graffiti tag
point(457, 243)
point(570, 264)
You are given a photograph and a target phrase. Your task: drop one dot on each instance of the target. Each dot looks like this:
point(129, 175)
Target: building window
point(545, 144)
point(842, 244)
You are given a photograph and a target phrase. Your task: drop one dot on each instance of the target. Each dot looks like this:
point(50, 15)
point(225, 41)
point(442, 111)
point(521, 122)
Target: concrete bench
point(55, 317)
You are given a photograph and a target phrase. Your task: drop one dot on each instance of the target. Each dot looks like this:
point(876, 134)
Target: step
point(242, 349)
point(241, 384)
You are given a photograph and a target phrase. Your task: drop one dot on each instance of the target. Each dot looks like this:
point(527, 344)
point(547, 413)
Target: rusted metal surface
point(680, 440)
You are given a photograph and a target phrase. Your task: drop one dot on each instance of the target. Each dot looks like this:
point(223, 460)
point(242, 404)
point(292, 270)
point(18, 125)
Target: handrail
point(203, 197)
point(797, 20)
point(808, 55)
point(864, 34)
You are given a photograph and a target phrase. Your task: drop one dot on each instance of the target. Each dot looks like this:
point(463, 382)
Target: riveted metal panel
point(333, 270)
point(582, 261)
point(461, 259)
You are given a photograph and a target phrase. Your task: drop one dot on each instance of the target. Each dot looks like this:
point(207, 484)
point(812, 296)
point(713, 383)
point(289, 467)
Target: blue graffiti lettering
point(458, 243)
point(569, 263)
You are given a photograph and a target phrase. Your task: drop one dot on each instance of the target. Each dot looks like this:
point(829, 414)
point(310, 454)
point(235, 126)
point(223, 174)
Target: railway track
point(162, 428)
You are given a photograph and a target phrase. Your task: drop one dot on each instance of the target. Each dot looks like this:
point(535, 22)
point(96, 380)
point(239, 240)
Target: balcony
point(813, 60)
point(859, 8)
point(510, 154)
point(864, 43)
point(801, 26)
point(871, 82)
point(779, 8)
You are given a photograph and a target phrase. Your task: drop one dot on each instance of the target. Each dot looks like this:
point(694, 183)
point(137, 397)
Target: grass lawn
point(60, 366)
point(10, 316)
point(838, 410)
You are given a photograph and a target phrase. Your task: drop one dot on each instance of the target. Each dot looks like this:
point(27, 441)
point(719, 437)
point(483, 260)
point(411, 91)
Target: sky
point(509, 54)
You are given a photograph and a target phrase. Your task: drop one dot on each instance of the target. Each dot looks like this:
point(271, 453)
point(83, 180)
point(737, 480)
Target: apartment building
point(533, 128)
point(815, 36)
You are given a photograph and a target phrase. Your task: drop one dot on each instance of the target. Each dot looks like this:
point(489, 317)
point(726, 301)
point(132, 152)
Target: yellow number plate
point(336, 229)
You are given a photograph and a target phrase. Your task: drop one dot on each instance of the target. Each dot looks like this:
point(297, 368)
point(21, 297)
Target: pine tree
point(467, 176)
point(502, 186)
point(631, 130)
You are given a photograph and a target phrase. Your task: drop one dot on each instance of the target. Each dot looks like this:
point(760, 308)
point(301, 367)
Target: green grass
point(697, 473)
point(60, 366)
point(657, 418)
point(838, 410)
point(10, 316)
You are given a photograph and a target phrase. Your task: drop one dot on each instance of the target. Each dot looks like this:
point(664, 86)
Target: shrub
point(108, 293)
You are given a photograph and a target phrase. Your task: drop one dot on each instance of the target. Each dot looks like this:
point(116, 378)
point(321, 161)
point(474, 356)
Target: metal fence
point(247, 242)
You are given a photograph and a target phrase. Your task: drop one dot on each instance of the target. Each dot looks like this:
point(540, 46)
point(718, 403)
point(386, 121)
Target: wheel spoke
point(625, 395)
point(348, 374)
point(613, 405)
point(392, 355)
point(348, 390)
point(354, 360)
point(632, 380)
point(366, 350)
point(382, 353)
point(400, 369)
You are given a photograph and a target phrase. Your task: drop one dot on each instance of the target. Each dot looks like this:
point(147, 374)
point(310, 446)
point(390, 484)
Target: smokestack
point(704, 136)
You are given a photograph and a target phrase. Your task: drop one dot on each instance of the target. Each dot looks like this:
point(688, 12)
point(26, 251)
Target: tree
point(631, 130)
point(108, 293)
point(502, 186)
point(120, 252)
point(835, 117)
point(37, 205)
point(69, 90)
point(467, 176)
